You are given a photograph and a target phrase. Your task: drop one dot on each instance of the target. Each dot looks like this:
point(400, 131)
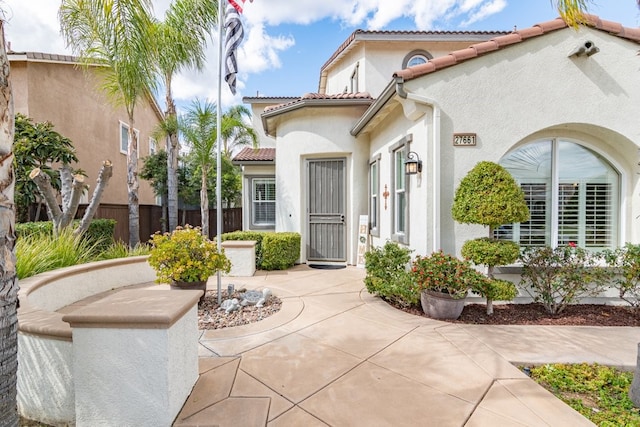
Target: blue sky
point(286, 42)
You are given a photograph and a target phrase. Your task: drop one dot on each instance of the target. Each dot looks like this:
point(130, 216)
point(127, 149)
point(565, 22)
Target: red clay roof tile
point(499, 42)
point(249, 154)
point(321, 96)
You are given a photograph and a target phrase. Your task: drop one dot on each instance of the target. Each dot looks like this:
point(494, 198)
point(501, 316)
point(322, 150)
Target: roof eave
point(374, 108)
point(303, 103)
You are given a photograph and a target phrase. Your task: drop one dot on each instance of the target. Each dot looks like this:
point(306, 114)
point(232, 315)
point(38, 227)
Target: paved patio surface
point(336, 356)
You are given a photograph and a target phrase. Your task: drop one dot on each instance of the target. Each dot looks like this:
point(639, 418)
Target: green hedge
point(274, 251)
point(100, 230)
point(280, 250)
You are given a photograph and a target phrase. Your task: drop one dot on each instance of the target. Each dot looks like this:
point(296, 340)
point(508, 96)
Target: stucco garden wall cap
point(44, 323)
point(31, 284)
point(135, 309)
point(518, 36)
point(34, 320)
point(238, 243)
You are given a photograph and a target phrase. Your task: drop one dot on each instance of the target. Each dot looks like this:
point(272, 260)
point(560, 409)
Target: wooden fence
point(151, 219)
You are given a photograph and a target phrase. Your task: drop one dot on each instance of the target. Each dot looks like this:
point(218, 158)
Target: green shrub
point(626, 270)
point(185, 255)
point(387, 274)
point(442, 272)
point(100, 231)
point(37, 253)
point(248, 235)
point(280, 250)
point(490, 252)
point(561, 276)
point(489, 195)
point(496, 289)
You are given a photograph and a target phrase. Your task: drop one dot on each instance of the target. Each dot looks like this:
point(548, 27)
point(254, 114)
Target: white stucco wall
point(45, 379)
point(156, 369)
point(318, 133)
point(519, 94)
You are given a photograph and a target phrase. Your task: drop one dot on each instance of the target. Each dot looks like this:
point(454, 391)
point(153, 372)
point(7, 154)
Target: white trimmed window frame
point(568, 209)
point(262, 199)
point(124, 138)
point(399, 191)
point(374, 196)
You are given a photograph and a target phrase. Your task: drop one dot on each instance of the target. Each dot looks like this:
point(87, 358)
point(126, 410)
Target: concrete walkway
point(334, 355)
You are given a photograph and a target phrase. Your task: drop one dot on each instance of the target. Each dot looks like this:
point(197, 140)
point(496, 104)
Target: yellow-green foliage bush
point(185, 255)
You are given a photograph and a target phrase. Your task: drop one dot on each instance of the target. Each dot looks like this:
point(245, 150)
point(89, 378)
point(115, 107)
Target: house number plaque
point(464, 139)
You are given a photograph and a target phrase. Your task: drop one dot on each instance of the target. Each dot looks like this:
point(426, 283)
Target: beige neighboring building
point(55, 88)
point(555, 106)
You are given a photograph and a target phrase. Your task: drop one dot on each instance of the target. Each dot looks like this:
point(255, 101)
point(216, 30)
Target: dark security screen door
point(326, 209)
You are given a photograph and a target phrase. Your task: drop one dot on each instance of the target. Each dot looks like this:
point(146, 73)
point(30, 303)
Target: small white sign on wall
point(363, 239)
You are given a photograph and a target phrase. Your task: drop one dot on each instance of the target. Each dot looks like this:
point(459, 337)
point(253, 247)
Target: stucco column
point(135, 357)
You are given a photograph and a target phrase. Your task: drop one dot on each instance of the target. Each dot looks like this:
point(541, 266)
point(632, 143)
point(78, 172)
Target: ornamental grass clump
point(444, 273)
point(185, 255)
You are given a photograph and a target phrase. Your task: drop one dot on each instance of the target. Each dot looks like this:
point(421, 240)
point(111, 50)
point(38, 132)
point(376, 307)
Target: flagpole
point(219, 143)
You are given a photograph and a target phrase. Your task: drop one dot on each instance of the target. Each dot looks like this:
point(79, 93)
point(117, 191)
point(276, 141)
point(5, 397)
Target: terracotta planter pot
point(438, 305)
point(194, 286)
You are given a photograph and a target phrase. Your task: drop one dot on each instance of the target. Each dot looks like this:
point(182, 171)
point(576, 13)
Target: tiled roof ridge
point(249, 154)
point(43, 56)
point(353, 36)
point(514, 37)
point(322, 96)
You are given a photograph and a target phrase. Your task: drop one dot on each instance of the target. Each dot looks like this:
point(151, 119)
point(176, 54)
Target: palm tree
point(115, 34)
point(8, 281)
point(236, 131)
point(180, 42)
point(198, 128)
point(572, 11)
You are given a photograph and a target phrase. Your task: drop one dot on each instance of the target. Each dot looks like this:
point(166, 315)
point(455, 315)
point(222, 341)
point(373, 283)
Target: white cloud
point(33, 26)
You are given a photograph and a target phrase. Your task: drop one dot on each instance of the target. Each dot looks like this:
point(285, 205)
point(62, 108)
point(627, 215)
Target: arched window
point(416, 57)
point(572, 193)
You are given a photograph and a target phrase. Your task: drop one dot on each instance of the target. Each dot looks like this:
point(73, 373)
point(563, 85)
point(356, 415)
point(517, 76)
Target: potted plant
point(444, 281)
point(185, 258)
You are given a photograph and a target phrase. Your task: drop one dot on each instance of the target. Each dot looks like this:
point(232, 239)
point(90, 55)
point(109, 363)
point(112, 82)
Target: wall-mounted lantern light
point(413, 164)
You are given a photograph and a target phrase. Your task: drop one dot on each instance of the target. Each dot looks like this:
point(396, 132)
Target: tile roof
point(412, 34)
point(48, 57)
point(249, 154)
point(518, 36)
point(321, 97)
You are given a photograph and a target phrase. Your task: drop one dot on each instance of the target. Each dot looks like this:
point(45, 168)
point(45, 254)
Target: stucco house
point(55, 88)
point(554, 105)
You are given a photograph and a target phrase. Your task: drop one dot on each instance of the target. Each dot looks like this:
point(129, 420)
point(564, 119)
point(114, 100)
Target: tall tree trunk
point(43, 182)
point(172, 162)
point(204, 203)
point(8, 280)
point(101, 183)
point(133, 185)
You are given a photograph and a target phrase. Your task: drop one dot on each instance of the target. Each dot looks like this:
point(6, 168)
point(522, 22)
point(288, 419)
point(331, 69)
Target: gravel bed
point(209, 317)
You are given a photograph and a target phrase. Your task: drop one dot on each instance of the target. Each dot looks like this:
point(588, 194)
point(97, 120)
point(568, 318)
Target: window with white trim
point(374, 196)
point(153, 146)
point(572, 193)
point(263, 202)
point(400, 191)
point(416, 57)
point(124, 138)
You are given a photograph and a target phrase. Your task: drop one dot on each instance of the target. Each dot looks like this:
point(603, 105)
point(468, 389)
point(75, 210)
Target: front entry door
point(326, 210)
